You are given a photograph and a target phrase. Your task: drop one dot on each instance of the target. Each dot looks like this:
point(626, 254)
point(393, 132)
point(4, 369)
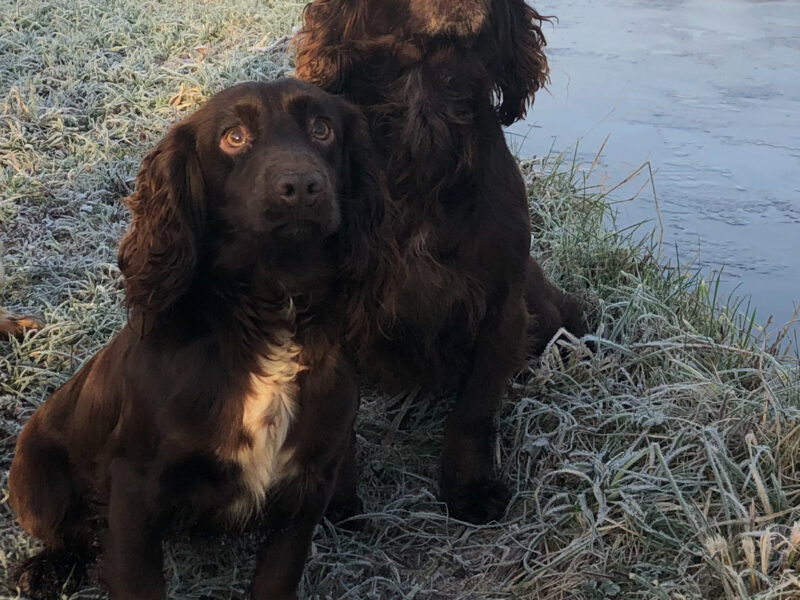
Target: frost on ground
point(660, 466)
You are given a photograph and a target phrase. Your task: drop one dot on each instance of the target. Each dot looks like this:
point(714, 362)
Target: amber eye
point(234, 139)
point(321, 129)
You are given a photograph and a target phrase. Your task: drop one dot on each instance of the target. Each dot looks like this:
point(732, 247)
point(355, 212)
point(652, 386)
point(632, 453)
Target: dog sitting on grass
point(437, 79)
point(254, 221)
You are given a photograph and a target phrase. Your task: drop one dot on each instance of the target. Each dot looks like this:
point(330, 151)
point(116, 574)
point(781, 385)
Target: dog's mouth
point(301, 223)
point(298, 230)
point(305, 229)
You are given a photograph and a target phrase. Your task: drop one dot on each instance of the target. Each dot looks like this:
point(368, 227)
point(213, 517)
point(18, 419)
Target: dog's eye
point(321, 129)
point(234, 139)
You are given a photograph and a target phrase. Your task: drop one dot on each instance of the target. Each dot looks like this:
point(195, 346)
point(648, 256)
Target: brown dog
point(437, 79)
point(254, 221)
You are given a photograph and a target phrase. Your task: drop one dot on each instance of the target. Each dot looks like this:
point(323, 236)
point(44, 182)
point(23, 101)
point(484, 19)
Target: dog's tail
point(12, 325)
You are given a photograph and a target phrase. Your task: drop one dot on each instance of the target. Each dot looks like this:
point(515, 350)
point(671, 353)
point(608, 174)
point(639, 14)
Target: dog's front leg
point(285, 549)
point(345, 502)
point(133, 554)
point(467, 481)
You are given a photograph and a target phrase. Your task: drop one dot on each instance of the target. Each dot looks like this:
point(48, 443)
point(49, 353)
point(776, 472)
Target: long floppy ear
point(520, 65)
point(368, 250)
point(322, 56)
point(159, 253)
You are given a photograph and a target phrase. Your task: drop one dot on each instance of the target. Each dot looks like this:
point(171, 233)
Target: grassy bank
point(662, 466)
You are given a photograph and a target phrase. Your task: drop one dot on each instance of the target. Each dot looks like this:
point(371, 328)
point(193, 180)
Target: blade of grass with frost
point(87, 87)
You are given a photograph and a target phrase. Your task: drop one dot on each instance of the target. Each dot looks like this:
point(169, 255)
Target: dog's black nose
point(301, 189)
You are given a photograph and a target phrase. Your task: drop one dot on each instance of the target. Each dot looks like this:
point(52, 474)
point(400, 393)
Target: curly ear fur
point(520, 63)
point(320, 57)
point(368, 249)
point(159, 253)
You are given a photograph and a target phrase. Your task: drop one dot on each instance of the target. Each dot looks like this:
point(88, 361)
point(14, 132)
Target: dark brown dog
point(437, 79)
point(254, 221)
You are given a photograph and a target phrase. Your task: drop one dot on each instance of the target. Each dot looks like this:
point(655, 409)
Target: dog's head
point(261, 172)
point(505, 35)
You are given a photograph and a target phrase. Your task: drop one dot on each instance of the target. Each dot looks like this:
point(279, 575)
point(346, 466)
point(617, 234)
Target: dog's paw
point(340, 513)
point(48, 575)
point(260, 592)
point(478, 501)
point(256, 596)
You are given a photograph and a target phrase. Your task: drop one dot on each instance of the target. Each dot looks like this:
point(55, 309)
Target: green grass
point(663, 466)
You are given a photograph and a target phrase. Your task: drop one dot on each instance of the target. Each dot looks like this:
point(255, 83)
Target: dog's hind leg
point(549, 309)
point(50, 506)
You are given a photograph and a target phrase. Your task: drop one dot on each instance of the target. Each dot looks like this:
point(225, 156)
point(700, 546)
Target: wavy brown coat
point(437, 79)
point(255, 222)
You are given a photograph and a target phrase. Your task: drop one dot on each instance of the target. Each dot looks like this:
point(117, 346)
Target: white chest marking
point(268, 412)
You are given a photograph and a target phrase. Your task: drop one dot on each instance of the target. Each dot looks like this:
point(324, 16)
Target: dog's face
point(263, 172)
point(271, 156)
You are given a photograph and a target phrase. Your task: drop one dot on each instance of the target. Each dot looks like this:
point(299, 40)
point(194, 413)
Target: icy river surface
point(707, 91)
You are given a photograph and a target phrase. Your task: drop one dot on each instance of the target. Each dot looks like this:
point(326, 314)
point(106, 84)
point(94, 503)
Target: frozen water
point(709, 93)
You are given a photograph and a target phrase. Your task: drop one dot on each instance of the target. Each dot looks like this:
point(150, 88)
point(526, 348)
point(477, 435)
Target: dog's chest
point(434, 289)
point(269, 408)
